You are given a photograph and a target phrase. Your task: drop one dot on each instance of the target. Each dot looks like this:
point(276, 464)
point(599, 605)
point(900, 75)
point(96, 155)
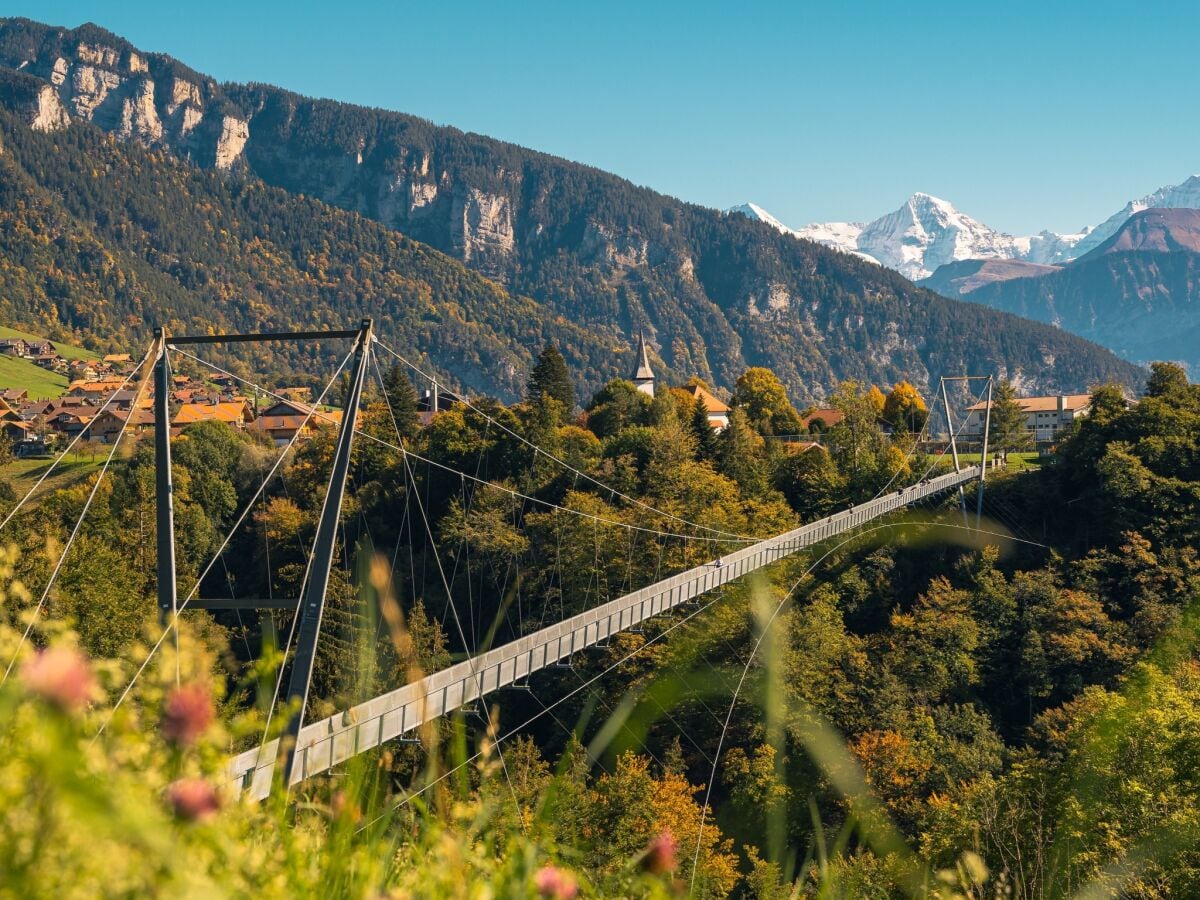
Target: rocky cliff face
point(101, 79)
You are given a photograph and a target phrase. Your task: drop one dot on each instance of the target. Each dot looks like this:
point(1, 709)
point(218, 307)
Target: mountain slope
point(1138, 292)
point(961, 277)
point(714, 293)
point(1175, 196)
point(105, 239)
point(1154, 231)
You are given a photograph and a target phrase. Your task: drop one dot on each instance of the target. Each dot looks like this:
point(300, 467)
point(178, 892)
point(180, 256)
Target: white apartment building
point(1045, 417)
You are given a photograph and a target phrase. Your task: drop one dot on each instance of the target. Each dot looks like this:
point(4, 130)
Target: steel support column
point(983, 464)
point(312, 603)
point(164, 502)
point(962, 497)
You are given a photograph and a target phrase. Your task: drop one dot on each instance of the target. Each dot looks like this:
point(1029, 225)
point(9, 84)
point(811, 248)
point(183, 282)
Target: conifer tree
point(402, 397)
point(706, 435)
point(550, 378)
point(1008, 431)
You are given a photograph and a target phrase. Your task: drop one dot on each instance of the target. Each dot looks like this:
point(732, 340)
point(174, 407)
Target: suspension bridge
point(307, 748)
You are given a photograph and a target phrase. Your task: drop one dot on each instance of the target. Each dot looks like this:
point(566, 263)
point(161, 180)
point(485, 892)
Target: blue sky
point(1025, 115)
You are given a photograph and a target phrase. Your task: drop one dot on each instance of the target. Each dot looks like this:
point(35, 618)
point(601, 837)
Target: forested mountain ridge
point(715, 293)
point(106, 240)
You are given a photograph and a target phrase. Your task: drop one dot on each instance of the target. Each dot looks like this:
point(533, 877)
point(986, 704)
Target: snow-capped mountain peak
point(1185, 195)
point(924, 233)
point(754, 211)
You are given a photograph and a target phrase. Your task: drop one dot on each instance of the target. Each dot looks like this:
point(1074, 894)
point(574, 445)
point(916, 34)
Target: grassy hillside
point(65, 350)
point(24, 375)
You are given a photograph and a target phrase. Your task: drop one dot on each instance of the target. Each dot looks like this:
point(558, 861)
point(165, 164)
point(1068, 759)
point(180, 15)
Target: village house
point(14, 396)
point(69, 423)
point(1045, 417)
point(107, 426)
point(14, 347)
point(718, 411)
point(15, 431)
point(52, 362)
point(821, 418)
point(98, 388)
point(236, 413)
point(285, 418)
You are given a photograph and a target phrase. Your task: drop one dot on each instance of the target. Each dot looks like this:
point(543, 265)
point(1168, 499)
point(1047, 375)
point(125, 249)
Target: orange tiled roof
point(827, 414)
point(711, 403)
point(201, 412)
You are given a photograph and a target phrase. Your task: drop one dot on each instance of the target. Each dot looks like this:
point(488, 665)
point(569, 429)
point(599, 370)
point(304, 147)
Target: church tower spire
point(643, 375)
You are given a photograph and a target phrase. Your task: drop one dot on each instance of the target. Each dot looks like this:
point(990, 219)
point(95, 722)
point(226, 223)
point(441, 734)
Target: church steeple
point(643, 375)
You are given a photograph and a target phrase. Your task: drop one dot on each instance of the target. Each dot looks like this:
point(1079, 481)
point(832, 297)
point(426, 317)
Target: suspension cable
point(515, 493)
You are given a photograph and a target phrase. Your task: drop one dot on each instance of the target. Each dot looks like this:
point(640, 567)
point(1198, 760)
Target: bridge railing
point(327, 742)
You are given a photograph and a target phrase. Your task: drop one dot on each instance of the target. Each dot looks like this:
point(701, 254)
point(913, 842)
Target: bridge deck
point(327, 742)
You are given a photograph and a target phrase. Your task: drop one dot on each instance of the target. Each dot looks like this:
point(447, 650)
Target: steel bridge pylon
point(311, 606)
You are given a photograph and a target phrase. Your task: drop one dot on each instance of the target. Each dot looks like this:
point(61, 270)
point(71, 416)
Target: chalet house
point(718, 412)
point(40, 348)
point(236, 413)
point(14, 396)
point(107, 426)
point(118, 359)
point(13, 424)
point(70, 423)
point(285, 418)
point(1045, 417)
point(14, 428)
point(52, 362)
point(14, 347)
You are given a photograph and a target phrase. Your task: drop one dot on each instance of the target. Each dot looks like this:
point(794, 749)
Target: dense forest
point(926, 710)
point(715, 293)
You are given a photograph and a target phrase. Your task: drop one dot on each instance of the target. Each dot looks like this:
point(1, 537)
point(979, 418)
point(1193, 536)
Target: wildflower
point(60, 675)
point(187, 714)
point(660, 854)
point(340, 806)
point(193, 799)
point(556, 883)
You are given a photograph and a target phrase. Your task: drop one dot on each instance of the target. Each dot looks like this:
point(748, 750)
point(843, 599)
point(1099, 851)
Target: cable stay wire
point(482, 481)
point(512, 732)
point(75, 440)
point(475, 675)
point(37, 610)
point(566, 465)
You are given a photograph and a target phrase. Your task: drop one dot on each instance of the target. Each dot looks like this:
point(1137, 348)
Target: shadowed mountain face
point(957, 279)
point(714, 293)
point(1137, 293)
point(1154, 231)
